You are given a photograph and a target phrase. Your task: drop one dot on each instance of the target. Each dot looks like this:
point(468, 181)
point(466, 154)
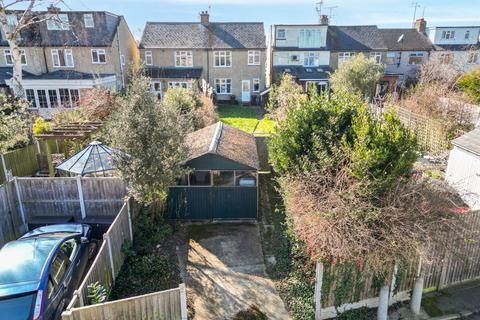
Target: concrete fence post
point(393, 284)
point(416, 300)
point(80, 197)
point(183, 301)
point(318, 290)
point(106, 237)
point(382, 311)
point(129, 211)
point(20, 204)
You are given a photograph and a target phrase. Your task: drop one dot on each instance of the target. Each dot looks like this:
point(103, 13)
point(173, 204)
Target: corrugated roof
point(225, 141)
point(201, 36)
point(469, 141)
point(412, 40)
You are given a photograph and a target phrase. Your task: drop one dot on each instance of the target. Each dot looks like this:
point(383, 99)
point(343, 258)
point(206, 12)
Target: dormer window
point(281, 34)
point(88, 20)
point(58, 22)
point(448, 34)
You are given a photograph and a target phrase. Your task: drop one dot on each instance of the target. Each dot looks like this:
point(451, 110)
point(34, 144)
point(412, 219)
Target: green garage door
point(209, 203)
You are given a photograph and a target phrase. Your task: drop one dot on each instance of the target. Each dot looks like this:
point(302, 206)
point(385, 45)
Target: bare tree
point(13, 21)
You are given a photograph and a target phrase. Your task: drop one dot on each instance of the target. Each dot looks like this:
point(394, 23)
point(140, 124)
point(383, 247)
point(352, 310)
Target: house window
point(9, 57)
point(52, 98)
point(200, 178)
point(344, 56)
point(223, 86)
point(88, 20)
point(391, 58)
point(178, 84)
point(256, 85)
point(415, 58)
point(148, 58)
point(448, 34)
point(157, 89)
point(376, 56)
point(473, 57)
point(446, 58)
point(253, 58)
point(62, 58)
point(309, 38)
point(311, 59)
point(74, 96)
point(98, 56)
point(223, 58)
point(30, 93)
point(183, 59)
point(42, 99)
point(281, 34)
point(58, 22)
point(467, 34)
point(12, 21)
point(69, 97)
point(223, 178)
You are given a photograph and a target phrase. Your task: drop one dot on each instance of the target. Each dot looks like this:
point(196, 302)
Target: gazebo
point(95, 159)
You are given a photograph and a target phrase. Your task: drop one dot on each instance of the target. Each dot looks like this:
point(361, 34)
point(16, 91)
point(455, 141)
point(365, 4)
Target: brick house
point(228, 56)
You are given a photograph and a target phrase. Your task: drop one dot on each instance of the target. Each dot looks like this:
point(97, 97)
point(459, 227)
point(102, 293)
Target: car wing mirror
point(84, 240)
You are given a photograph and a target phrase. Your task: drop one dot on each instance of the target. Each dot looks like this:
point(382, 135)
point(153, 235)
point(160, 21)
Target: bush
point(284, 95)
point(470, 84)
point(41, 126)
point(96, 293)
point(14, 123)
point(253, 313)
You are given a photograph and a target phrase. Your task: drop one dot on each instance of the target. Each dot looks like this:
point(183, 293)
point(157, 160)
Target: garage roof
point(225, 141)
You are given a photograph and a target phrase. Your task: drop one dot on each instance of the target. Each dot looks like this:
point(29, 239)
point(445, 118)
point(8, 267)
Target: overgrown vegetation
point(14, 123)
point(253, 313)
point(470, 84)
point(287, 93)
point(96, 293)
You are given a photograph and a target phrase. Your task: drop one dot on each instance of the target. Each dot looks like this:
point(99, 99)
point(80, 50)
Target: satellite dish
point(400, 39)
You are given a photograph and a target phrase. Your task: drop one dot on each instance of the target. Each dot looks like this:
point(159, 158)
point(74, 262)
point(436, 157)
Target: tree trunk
point(17, 78)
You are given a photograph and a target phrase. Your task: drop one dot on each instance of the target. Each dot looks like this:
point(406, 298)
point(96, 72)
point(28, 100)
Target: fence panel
point(118, 234)
point(22, 162)
point(159, 305)
point(103, 196)
point(10, 222)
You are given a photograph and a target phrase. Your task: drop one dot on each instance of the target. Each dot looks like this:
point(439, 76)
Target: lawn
point(245, 118)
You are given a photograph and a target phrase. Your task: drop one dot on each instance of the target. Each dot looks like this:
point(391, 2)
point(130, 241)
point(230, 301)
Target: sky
point(384, 13)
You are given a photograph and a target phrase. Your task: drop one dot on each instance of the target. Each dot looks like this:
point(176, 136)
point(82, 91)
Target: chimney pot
point(324, 19)
point(204, 17)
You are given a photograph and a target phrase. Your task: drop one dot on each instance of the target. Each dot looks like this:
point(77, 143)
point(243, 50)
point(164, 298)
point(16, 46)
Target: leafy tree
point(151, 138)
point(359, 75)
point(14, 123)
point(285, 94)
point(470, 84)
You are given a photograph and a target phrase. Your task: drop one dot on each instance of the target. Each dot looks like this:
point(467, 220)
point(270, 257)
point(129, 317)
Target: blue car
point(40, 271)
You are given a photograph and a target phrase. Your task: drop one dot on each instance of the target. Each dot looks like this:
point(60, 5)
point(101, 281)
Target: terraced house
point(66, 56)
point(230, 56)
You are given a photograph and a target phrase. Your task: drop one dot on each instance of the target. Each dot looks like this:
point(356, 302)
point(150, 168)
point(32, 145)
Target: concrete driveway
point(225, 272)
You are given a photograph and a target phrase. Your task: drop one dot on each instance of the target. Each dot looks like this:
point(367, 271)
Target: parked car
point(40, 271)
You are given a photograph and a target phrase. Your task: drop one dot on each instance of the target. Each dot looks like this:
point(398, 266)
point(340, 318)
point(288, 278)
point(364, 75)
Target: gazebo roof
point(95, 158)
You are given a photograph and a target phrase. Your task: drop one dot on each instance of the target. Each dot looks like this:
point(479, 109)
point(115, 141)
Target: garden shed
point(223, 182)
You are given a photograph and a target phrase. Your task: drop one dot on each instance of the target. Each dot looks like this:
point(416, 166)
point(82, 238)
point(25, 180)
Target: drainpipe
point(122, 71)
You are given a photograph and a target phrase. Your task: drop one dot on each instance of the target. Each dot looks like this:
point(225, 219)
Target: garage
point(223, 181)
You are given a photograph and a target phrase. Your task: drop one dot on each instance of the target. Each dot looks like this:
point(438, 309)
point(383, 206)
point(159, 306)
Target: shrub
point(14, 123)
point(287, 93)
point(470, 84)
point(254, 313)
point(96, 293)
point(41, 126)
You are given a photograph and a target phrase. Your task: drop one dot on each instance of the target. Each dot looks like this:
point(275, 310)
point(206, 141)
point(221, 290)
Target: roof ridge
point(216, 138)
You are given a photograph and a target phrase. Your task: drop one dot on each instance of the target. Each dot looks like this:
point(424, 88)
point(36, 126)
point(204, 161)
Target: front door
point(246, 95)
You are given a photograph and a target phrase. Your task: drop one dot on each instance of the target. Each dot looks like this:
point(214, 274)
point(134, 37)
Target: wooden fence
point(166, 305)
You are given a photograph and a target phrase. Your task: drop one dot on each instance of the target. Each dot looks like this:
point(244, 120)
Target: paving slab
point(226, 271)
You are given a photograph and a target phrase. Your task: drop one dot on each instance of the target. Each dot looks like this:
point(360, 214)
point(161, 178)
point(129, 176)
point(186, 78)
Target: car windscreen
point(23, 260)
point(17, 307)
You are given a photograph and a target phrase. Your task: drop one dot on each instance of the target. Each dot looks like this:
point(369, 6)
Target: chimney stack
point(53, 9)
point(421, 25)
point(204, 17)
point(324, 19)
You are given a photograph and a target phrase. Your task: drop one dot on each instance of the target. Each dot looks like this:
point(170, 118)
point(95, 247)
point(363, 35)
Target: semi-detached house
point(68, 55)
point(230, 57)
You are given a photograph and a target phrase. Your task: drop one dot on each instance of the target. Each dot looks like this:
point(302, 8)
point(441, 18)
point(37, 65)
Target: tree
point(13, 25)
point(470, 84)
point(287, 93)
point(359, 75)
point(152, 141)
point(14, 129)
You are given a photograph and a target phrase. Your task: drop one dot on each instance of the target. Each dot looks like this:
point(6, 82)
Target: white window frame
point(223, 84)
point(311, 59)
point(99, 53)
point(34, 104)
point(448, 34)
point(309, 38)
point(183, 59)
point(226, 56)
point(255, 81)
point(344, 56)
point(88, 20)
point(254, 57)
point(148, 58)
point(179, 84)
point(158, 93)
point(70, 101)
point(473, 57)
point(58, 22)
point(66, 54)
point(8, 53)
point(281, 34)
point(376, 56)
point(416, 54)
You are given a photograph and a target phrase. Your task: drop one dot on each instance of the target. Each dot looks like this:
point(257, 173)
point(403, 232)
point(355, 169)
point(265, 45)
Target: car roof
point(76, 228)
point(23, 262)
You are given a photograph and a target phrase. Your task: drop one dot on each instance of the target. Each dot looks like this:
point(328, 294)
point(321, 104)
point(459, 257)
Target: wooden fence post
point(106, 237)
point(443, 274)
point(130, 229)
point(183, 301)
point(80, 197)
point(20, 204)
point(318, 290)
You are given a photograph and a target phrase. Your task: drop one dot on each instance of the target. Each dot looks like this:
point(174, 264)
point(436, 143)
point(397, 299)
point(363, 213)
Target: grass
point(429, 305)
point(245, 118)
